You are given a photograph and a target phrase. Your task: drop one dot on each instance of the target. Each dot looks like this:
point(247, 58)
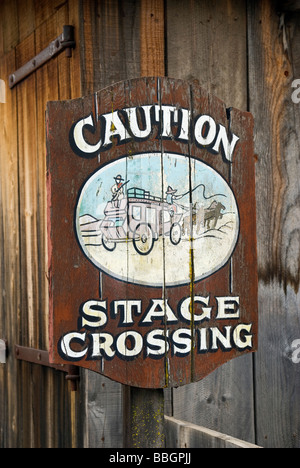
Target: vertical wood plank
point(10, 258)
point(109, 52)
point(207, 41)
point(27, 141)
point(52, 82)
point(152, 38)
point(9, 24)
point(144, 413)
point(45, 77)
point(277, 179)
point(135, 414)
point(74, 63)
point(110, 43)
point(26, 22)
point(38, 408)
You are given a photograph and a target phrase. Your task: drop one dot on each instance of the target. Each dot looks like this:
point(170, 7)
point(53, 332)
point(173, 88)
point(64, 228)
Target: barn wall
point(274, 50)
point(37, 408)
point(248, 54)
point(207, 41)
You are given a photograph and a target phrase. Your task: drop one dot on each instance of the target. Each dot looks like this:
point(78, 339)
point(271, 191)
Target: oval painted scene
point(147, 218)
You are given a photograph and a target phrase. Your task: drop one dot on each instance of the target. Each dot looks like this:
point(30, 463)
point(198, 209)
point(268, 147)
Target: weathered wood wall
point(248, 54)
point(36, 407)
point(237, 50)
point(211, 45)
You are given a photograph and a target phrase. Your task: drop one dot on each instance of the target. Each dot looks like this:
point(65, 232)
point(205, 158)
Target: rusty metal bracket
point(38, 356)
point(63, 42)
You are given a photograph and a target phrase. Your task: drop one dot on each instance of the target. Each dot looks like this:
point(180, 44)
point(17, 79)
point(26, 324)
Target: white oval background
point(166, 264)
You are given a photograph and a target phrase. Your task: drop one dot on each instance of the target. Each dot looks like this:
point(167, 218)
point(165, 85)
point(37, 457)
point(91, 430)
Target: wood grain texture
point(207, 41)
point(292, 23)
point(278, 225)
point(143, 418)
point(126, 273)
point(10, 259)
point(183, 435)
point(109, 43)
point(38, 408)
point(152, 38)
point(109, 51)
point(277, 175)
point(288, 5)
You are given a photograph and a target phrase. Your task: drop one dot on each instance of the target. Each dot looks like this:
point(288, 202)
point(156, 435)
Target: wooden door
point(37, 408)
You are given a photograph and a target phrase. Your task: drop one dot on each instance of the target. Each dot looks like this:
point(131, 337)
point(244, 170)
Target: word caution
point(124, 125)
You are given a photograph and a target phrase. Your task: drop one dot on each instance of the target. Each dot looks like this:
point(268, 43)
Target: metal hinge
point(63, 42)
point(38, 356)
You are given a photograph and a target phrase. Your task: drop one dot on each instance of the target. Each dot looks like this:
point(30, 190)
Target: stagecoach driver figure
point(117, 190)
point(170, 199)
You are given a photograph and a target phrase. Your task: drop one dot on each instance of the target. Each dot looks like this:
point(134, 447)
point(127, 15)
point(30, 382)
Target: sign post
point(152, 235)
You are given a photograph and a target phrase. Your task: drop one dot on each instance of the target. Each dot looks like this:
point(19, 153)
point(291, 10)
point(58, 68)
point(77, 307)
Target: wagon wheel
point(108, 244)
point(143, 239)
point(175, 233)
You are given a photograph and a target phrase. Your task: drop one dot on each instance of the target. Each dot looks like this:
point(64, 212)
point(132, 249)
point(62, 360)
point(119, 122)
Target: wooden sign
point(152, 236)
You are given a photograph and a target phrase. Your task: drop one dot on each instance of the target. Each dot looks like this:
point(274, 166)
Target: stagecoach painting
point(146, 207)
point(141, 218)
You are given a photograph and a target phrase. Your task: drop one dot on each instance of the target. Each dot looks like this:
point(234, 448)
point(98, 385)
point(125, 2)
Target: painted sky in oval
point(168, 204)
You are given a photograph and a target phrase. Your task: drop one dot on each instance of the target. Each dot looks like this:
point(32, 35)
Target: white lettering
point(159, 309)
point(185, 125)
point(3, 351)
point(2, 91)
point(228, 304)
point(65, 345)
point(136, 344)
point(102, 345)
point(126, 308)
point(205, 130)
point(133, 121)
point(247, 341)
point(218, 336)
point(114, 127)
point(166, 120)
point(95, 310)
point(202, 340)
point(163, 457)
point(185, 309)
point(120, 458)
point(138, 122)
point(227, 148)
point(79, 139)
point(182, 341)
point(296, 353)
point(296, 93)
point(157, 344)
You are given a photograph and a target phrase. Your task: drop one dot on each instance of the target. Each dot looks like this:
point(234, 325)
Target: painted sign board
point(151, 232)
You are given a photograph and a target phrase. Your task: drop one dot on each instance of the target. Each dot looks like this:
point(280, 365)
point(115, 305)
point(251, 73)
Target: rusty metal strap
point(63, 42)
point(41, 357)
